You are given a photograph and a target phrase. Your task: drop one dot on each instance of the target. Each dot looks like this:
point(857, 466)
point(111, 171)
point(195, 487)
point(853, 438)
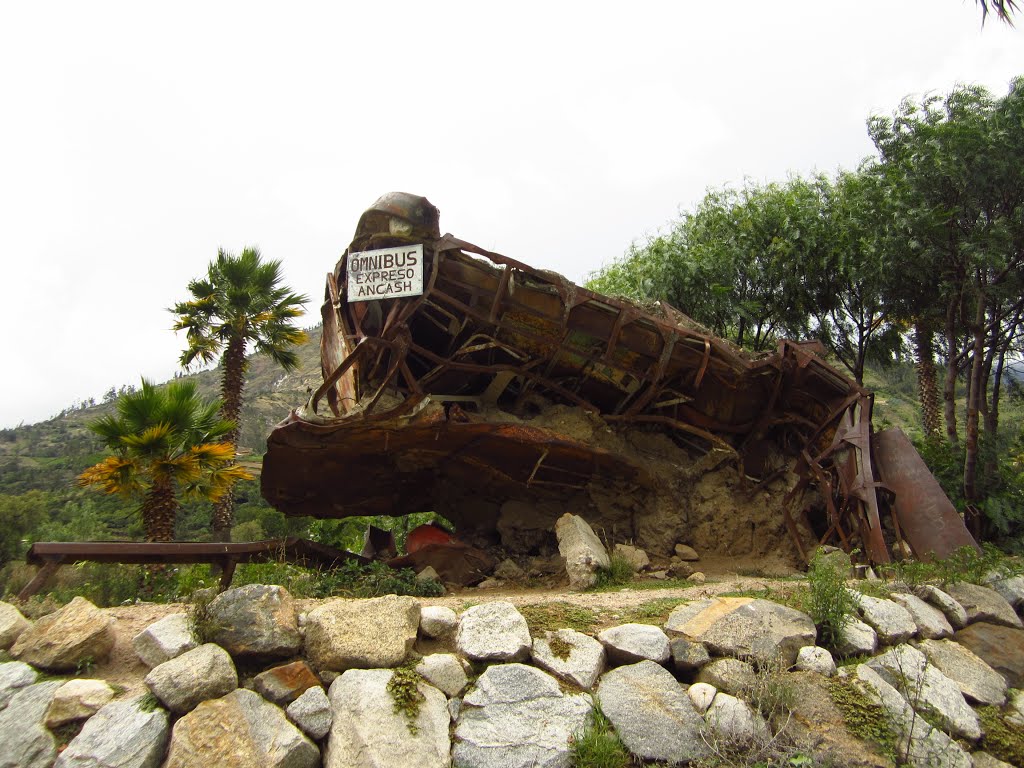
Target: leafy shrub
point(963, 565)
point(829, 603)
point(618, 573)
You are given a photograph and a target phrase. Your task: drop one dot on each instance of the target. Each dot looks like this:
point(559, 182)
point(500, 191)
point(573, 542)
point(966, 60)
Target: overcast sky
point(136, 140)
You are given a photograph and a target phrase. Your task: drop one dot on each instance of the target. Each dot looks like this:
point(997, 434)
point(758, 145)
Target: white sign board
point(386, 273)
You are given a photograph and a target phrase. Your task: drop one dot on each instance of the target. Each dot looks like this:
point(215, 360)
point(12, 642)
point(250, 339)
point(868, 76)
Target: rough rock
point(732, 720)
point(925, 744)
point(256, 620)
point(437, 621)
point(583, 552)
point(977, 680)
point(701, 695)
point(1010, 588)
point(1001, 647)
point(836, 559)
point(819, 728)
point(984, 604)
point(206, 672)
point(239, 730)
point(760, 630)
point(697, 577)
point(311, 712)
point(688, 657)
point(283, 685)
point(518, 717)
point(811, 658)
point(1016, 707)
point(428, 574)
point(891, 621)
point(931, 623)
point(14, 675)
point(583, 664)
point(493, 631)
point(730, 675)
point(24, 740)
point(951, 609)
point(12, 624)
point(677, 569)
point(164, 639)
point(508, 570)
point(927, 690)
point(630, 643)
point(541, 565)
point(985, 760)
point(686, 553)
point(77, 700)
point(367, 732)
point(120, 735)
point(856, 639)
point(365, 634)
point(636, 557)
point(651, 713)
point(77, 633)
point(445, 672)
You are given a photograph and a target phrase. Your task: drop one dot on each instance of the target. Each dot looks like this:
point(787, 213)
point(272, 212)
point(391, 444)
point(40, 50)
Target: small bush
point(618, 573)
point(829, 603)
point(598, 746)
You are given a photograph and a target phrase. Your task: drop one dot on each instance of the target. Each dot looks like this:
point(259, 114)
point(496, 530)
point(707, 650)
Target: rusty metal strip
point(676, 424)
point(703, 366)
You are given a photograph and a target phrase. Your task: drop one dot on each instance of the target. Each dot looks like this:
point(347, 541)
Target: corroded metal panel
point(927, 518)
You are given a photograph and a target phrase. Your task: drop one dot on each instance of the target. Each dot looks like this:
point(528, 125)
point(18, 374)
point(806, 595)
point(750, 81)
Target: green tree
point(240, 302)
point(165, 441)
point(959, 163)
point(848, 274)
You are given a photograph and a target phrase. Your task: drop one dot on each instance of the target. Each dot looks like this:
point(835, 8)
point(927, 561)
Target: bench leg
point(227, 573)
point(40, 580)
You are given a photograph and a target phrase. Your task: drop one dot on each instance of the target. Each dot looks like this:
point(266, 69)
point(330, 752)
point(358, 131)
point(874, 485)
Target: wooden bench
point(51, 555)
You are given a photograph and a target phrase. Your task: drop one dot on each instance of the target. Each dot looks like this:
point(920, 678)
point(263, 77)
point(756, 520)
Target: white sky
point(135, 140)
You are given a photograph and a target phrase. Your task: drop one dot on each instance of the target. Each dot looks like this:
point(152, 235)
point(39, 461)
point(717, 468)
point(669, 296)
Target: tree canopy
point(920, 249)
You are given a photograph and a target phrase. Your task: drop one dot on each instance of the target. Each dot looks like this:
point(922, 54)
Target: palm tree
point(165, 442)
point(239, 301)
point(1003, 9)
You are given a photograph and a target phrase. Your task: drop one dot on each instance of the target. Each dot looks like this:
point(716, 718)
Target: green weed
point(828, 602)
point(618, 573)
point(404, 690)
point(542, 617)
point(598, 746)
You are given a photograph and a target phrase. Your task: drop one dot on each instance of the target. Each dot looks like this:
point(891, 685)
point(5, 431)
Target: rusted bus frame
point(847, 482)
point(858, 497)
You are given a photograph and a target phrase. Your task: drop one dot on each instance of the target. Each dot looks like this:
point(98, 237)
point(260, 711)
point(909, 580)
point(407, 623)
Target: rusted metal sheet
point(427, 391)
point(927, 519)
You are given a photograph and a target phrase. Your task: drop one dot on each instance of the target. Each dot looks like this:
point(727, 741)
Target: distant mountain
point(49, 454)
